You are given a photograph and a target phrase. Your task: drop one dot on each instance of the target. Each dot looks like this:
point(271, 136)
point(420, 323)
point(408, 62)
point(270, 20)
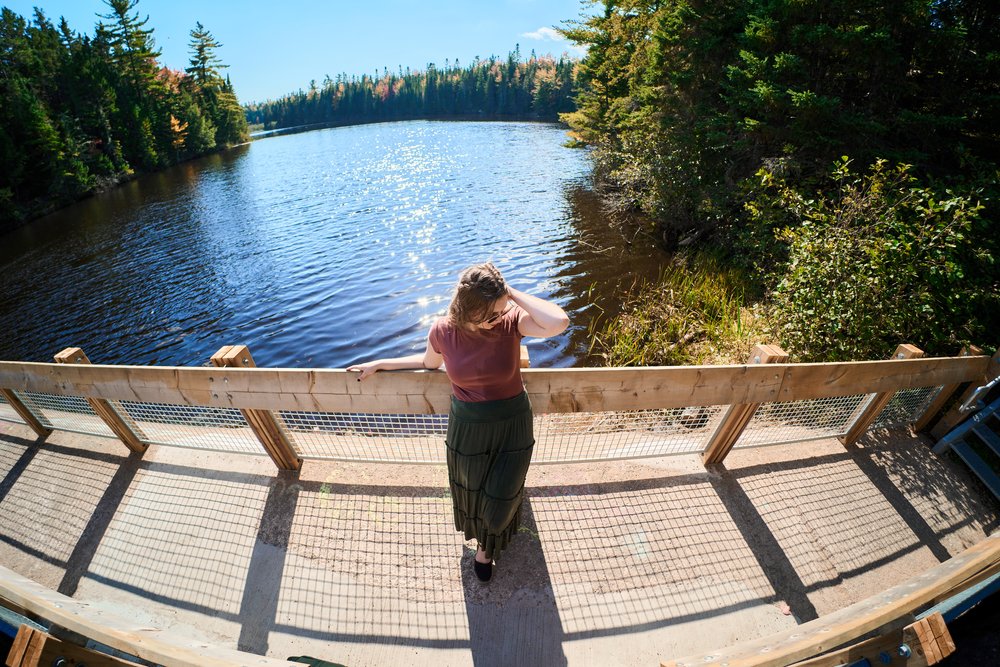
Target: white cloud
point(544, 33)
point(550, 34)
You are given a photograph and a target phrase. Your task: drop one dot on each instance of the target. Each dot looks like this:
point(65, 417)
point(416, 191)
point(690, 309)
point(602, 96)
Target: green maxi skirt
point(489, 448)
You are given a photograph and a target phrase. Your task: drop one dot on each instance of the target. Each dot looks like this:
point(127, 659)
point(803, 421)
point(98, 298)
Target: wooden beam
point(34, 648)
point(551, 389)
point(738, 415)
point(947, 391)
point(110, 412)
point(265, 424)
point(926, 639)
point(875, 406)
point(26, 413)
point(162, 647)
point(823, 634)
point(953, 417)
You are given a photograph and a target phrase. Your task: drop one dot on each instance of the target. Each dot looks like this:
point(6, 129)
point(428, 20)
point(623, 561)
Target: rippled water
point(317, 249)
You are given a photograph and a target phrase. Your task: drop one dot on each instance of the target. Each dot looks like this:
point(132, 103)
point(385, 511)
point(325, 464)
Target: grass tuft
point(696, 312)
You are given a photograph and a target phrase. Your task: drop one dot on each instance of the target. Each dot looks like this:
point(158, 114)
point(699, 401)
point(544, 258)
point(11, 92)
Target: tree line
point(843, 152)
point(83, 112)
point(538, 87)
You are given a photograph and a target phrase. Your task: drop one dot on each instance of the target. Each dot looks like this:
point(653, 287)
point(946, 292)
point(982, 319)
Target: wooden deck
point(628, 562)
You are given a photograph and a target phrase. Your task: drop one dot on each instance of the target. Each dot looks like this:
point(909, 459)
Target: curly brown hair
point(479, 287)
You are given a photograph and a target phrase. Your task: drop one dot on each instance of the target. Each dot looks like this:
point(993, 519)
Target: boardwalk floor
point(618, 563)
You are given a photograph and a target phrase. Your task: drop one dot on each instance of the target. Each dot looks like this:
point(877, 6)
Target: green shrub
point(881, 260)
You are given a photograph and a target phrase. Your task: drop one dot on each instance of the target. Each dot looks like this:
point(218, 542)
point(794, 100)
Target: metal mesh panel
point(68, 413)
point(559, 437)
point(195, 427)
point(597, 436)
point(795, 421)
point(367, 437)
point(905, 407)
point(8, 413)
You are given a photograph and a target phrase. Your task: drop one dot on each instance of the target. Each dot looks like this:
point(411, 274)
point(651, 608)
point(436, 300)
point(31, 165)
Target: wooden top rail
point(828, 632)
point(158, 646)
point(423, 392)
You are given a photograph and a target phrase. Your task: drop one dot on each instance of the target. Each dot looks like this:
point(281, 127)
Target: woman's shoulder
point(442, 322)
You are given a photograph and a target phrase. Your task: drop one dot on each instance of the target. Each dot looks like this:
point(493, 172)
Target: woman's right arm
point(429, 359)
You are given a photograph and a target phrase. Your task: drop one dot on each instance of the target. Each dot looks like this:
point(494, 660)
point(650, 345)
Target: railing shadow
point(285, 559)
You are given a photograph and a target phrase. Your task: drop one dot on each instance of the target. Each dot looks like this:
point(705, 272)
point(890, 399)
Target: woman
point(489, 439)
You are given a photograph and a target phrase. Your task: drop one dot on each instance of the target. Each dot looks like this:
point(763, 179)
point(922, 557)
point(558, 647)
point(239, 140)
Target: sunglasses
point(496, 316)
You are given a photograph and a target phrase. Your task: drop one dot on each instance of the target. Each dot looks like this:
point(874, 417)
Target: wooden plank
point(943, 396)
point(43, 650)
point(953, 417)
point(108, 411)
point(823, 634)
point(737, 416)
point(20, 647)
point(25, 413)
point(264, 424)
point(551, 390)
point(870, 650)
point(878, 403)
point(162, 647)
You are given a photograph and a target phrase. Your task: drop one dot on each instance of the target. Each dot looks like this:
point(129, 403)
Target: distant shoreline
point(295, 129)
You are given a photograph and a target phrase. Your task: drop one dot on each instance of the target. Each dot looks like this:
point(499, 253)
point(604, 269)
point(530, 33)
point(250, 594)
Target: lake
point(319, 249)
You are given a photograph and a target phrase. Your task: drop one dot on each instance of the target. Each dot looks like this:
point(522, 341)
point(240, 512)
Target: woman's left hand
point(366, 369)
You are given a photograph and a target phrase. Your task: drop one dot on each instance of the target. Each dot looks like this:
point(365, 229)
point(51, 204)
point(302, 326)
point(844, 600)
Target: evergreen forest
point(534, 88)
point(827, 172)
point(834, 163)
point(82, 112)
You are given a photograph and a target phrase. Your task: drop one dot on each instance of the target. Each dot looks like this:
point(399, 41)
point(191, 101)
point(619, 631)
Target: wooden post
point(26, 413)
point(946, 393)
point(878, 403)
point(738, 416)
point(34, 648)
point(525, 360)
point(953, 417)
point(263, 423)
point(117, 419)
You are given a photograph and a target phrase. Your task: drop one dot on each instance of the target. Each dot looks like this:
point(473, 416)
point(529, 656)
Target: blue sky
point(276, 48)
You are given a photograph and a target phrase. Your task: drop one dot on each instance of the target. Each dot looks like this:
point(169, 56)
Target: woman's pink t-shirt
point(483, 365)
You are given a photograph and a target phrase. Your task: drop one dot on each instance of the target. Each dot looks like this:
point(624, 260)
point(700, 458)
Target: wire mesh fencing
point(905, 407)
point(601, 436)
point(396, 438)
point(67, 413)
point(8, 413)
point(418, 438)
point(786, 422)
point(193, 427)
point(559, 438)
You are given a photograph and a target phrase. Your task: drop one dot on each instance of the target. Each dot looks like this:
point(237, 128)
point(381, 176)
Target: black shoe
point(483, 570)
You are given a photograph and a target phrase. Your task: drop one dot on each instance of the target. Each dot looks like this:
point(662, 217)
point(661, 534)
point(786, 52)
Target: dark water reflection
point(316, 249)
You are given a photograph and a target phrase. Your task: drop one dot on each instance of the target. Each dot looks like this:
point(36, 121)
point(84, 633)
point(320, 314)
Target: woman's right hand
point(366, 369)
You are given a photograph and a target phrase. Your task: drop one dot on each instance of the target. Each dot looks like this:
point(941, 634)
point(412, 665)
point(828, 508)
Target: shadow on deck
point(616, 563)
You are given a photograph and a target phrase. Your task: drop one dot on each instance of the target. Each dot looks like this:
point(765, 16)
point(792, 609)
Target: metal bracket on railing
point(974, 402)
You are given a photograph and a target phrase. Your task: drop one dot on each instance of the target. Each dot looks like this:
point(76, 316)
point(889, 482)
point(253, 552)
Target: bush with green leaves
point(880, 260)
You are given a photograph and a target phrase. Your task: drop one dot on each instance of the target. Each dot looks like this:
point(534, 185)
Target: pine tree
point(204, 65)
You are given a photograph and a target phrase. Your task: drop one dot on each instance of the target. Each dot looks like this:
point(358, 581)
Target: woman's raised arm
point(544, 317)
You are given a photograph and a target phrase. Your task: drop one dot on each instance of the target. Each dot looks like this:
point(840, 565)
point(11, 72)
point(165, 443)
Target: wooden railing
point(261, 394)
